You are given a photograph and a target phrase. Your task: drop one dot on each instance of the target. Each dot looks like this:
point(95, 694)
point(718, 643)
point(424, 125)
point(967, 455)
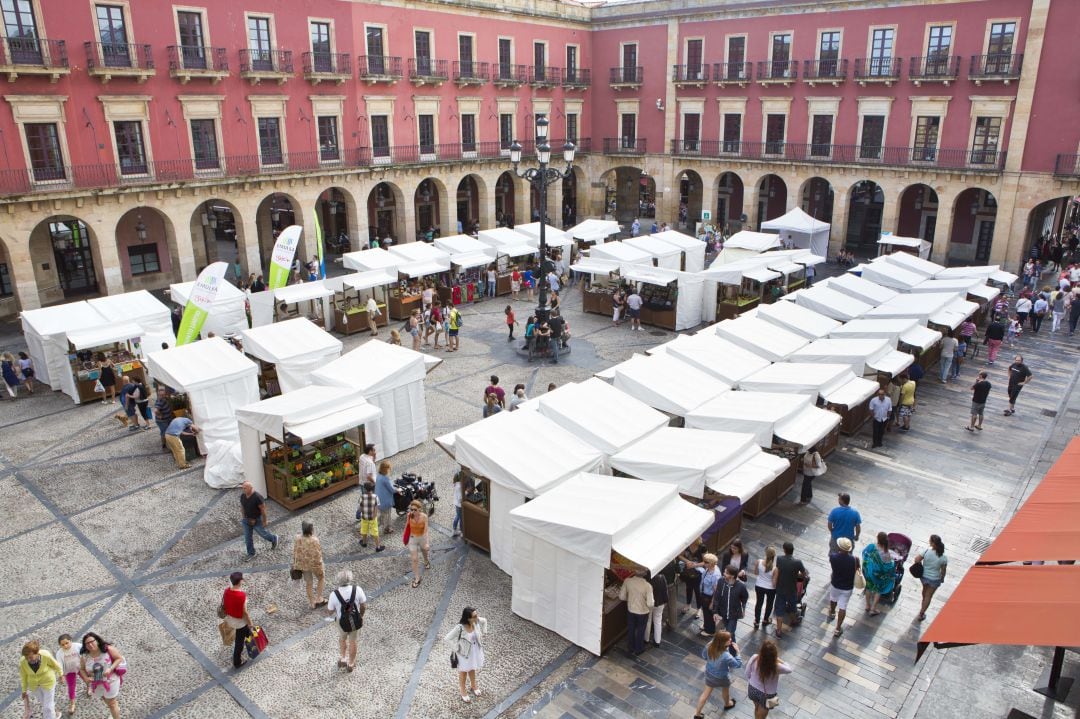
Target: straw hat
point(845, 544)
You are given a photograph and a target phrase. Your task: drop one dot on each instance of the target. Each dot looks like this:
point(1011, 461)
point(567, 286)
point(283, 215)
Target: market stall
point(574, 545)
point(218, 380)
point(588, 232)
point(118, 344)
point(952, 315)
point(693, 249)
point(875, 357)
point(302, 446)
point(798, 229)
point(307, 299)
point(920, 306)
point(288, 352)
point(971, 288)
point(142, 308)
point(734, 288)
point(620, 252)
point(45, 330)
point(891, 275)
point(905, 334)
point(911, 263)
point(715, 355)
point(227, 316)
point(889, 244)
point(991, 273)
point(793, 317)
point(745, 244)
point(661, 254)
point(824, 300)
point(555, 239)
point(860, 289)
point(469, 262)
point(391, 378)
point(422, 265)
point(672, 299)
point(666, 383)
point(376, 258)
point(351, 293)
point(601, 281)
point(501, 460)
point(835, 385)
point(763, 338)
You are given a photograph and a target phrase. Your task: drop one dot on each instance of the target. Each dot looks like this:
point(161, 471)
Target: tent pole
point(1051, 683)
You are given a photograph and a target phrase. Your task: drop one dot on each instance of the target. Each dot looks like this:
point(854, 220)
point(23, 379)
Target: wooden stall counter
point(502, 285)
point(355, 319)
point(86, 380)
point(401, 307)
point(475, 516)
point(729, 310)
point(613, 624)
point(596, 301)
point(771, 493)
point(851, 418)
point(664, 318)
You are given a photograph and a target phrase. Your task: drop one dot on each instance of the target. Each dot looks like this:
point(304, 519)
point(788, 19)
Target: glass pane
point(732, 132)
point(775, 126)
point(328, 138)
point(468, 133)
point(43, 145)
point(380, 135)
point(465, 54)
point(693, 59)
point(270, 140)
point(926, 138)
point(736, 50)
point(129, 147)
point(571, 127)
point(427, 133)
point(873, 134)
point(821, 136)
point(204, 144)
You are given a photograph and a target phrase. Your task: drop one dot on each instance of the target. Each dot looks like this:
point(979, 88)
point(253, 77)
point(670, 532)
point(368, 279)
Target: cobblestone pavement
point(102, 533)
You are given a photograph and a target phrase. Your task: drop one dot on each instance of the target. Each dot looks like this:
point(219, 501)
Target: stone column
point(838, 230)
point(943, 233)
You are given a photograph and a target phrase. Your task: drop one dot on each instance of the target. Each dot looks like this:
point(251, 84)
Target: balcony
point(690, 75)
point(426, 71)
point(375, 69)
point(922, 158)
point(327, 67)
point(731, 73)
point(626, 78)
point(33, 56)
point(624, 145)
point(575, 78)
point(509, 75)
point(877, 70)
point(825, 72)
point(471, 73)
point(777, 72)
point(936, 68)
point(1067, 166)
point(271, 65)
point(106, 60)
point(194, 62)
point(544, 76)
point(1000, 67)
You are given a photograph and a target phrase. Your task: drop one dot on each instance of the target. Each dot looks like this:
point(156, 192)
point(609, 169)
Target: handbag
point(860, 580)
point(406, 534)
point(772, 702)
point(916, 570)
point(453, 652)
point(221, 611)
point(228, 633)
point(256, 642)
point(296, 574)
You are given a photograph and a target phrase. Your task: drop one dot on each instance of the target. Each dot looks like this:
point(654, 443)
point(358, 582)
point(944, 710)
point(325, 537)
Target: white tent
point(364, 280)
point(894, 276)
point(875, 355)
point(85, 338)
point(620, 252)
point(888, 243)
point(296, 347)
point(802, 230)
point(953, 314)
point(594, 230)
point(590, 266)
point(824, 300)
point(750, 242)
point(900, 329)
point(563, 540)
point(46, 332)
point(690, 287)
point(523, 455)
point(663, 254)
point(754, 267)
point(760, 337)
point(461, 244)
point(143, 309)
point(992, 273)
point(374, 259)
point(391, 378)
point(696, 459)
point(959, 285)
point(860, 289)
point(715, 355)
point(599, 414)
point(916, 306)
point(419, 259)
point(835, 383)
point(911, 263)
point(796, 318)
point(553, 237)
point(693, 249)
point(315, 293)
point(227, 315)
point(667, 383)
point(792, 418)
point(507, 242)
point(218, 380)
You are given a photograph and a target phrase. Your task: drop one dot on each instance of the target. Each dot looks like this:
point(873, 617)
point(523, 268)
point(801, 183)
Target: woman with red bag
point(416, 539)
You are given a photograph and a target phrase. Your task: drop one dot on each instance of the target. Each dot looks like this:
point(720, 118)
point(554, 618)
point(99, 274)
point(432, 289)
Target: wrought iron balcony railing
point(689, 74)
point(877, 69)
point(33, 52)
point(576, 77)
point(626, 76)
point(428, 70)
point(379, 67)
point(271, 61)
point(834, 71)
point(327, 63)
point(197, 57)
point(471, 72)
point(731, 72)
point(119, 56)
point(998, 66)
point(624, 145)
point(934, 68)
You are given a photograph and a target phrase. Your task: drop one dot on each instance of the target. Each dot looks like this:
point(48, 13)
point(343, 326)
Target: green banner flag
point(319, 244)
point(282, 257)
point(202, 297)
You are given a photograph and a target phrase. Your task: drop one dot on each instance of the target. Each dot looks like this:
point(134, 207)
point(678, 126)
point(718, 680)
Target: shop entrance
point(74, 258)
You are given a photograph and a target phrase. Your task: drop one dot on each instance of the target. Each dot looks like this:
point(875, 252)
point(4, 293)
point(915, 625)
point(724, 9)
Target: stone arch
point(917, 213)
point(771, 198)
point(9, 276)
point(65, 252)
point(971, 236)
point(816, 198)
point(630, 193)
point(275, 212)
point(506, 195)
point(1048, 218)
point(431, 208)
point(469, 198)
point(336, 207)
point(729, 193)
point(691, 195)
point(574, 196)
point(385, 209)
point(866, 206)
point(218, 233)
point(147, 248)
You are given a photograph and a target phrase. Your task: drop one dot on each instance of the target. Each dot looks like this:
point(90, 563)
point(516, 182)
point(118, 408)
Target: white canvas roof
point(620, 252)
point(500, 236)
point(100, 335)
point(46, 330)
point(465, 260)
point(459, 244)
point(375, 367)
point(799, 377)
point(693, 248)
point(829, 302)
point(522, 249)
point(804, 230)
point(376, 258)
point(298, 347)
point(876, 354)
point(311, 413)
point(795, 318)
point(302, 292)
point(861, 289)
point(912, 263)
point(751, 476)
point(690, 459)
point(984, 292)
point(594, 230)
point(665, 253)
point(199, 365)
point(994, 273)
point(892, 275)
point(760, 337)
point(711, 353)
point(59, 319)
point(143, 309)
point(791, 417)
point(888, 328)
point(667, 383)
point(855, 392)
point(411, 252)
point(425, 268)
point(753, 241)
point(654, 275)
point(552, 237)
point(732, 273)
point(599, 414)
point(954, 313)
point(916, 306)
point(899, 241)
point(361, 280)
point(959, 285)
point(920, 337)
point(595, 267)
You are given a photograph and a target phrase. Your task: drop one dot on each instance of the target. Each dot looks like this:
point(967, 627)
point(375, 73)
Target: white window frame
point(774, 106)
point(731, 106)
point(176, 10)
point(385, 37)
point(686, 52)
point(929, 106)
point(270, 106)
point(204, 107)
point(691, 106)
point(333, 34)
point(874, 106)
point(507, 106)
point(380, 105)
point(622, 52)
point(457, 48)
point(328, 106)
point(817, 48)
point(129, 108)
point(41, 109)
point(999, 106)
point(940, 23)
point(994, 21)
point(273, 29)
point(821, 106)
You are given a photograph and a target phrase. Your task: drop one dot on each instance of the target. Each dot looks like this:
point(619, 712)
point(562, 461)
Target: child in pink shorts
point(68, 657)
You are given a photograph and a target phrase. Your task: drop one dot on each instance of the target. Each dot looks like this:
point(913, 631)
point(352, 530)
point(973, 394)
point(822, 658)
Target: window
point(204, 144)
point(270, 141)
point(926, 138)
point(775, 126)
point(781, 55)
point(828, 53)
point(375, 61)
point(691, 131)
point(540, 57)
point(984, 146)
point(629, 62)
point(192, 50)
point(129, 147)
point(426, 124)
point(21, 31)
point(694, 50)
point(999, 49)
point(881, 52)
point(821, 130)
point(465, 54)
point(736, 58)
point(112, 31)
point(732, 131)
point(43, 145)
point(422, 42)
point(571, 127)
point(873, 135)
point(321, 60)
point(259, 44)
point(144, 259)
point(937, 50)
point(468, 133)
point(571, 63)
point(328, 138)
point(506, 130)
point(5, 281)
point(506, 59)
point(380, 135)
point(629, 131)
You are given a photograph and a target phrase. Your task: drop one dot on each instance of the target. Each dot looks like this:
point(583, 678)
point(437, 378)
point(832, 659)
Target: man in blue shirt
point(844, 521)
point(384, 490)
point(180, 426)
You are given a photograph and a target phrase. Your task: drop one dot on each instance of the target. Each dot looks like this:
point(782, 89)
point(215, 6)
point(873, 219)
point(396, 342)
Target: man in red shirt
point(234, 604)
point(495, 389)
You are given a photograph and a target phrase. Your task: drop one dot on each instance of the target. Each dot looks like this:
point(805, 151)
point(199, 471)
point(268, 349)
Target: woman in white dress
point(467, 639)
point(102, 668)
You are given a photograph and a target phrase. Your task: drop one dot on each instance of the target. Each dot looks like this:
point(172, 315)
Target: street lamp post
point(540, 178)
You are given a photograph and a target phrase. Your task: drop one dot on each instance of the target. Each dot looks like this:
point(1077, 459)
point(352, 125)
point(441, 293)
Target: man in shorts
point(1019, 375)
point(844, 566)
point(454, 326)
point(907, 401)
point(633, 306)
point(791, 572)
point(346, 591)
point(979, 392)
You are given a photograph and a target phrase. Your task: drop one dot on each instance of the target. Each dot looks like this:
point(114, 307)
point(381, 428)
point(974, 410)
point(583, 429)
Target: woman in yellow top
point(38, 672)
point(418, 539)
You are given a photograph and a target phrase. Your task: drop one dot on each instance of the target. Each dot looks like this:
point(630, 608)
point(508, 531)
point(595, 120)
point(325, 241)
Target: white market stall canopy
point(688, 305)
point(860, 289)
point(227, 315)
point(376, 258)
point(796, 318)
point(893, 276)
point(461, 244)
point(507, 242)
point(803, 231)
point(960, 285)
point(552, 237)
point(888, 242)
point(916, 306)
point(361, 280)
point(662, 253)
point(562, 543)
point(466, 260)
point(310, 413)
point(592, 266)
point(303, 292)
point(297, 347)
point(911, 263)
point(877, 355)
point(954, 313)
point(715, 355)
point(594, 230)
point(599, 414)
point(760, 337)
point(143, 309)
point(667, 383)
point(419, 259)
point(693, 248)
point(100, 335)
point(754, 242)
point(993, 273)
point(902, 329)
point(835, 383)
point(791, 418)
point(732, 273)
point(620, 252)
point(824, 300)
point(46, 331)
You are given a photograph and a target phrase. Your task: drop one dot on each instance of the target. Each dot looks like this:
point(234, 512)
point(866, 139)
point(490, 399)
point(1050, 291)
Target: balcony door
point(694, 58)
point(74, 258)
point(881, 52)
point(259, 44)
point(999, 49)
point(938, 49)
point(629, 131)
point(192, 50)
point(21, 30)
point(375, 61)
point(629, 62)
point(423, 53)
point(112, 32)
point(321, 61)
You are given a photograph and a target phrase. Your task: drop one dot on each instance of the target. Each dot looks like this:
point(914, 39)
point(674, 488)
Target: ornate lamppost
point(540, 178)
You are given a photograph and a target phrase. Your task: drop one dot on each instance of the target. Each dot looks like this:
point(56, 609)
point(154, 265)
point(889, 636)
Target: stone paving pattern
point(101, 532)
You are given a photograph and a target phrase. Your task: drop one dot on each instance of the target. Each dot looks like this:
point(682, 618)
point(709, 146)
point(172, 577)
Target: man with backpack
point(454, 320)
point(348, 603)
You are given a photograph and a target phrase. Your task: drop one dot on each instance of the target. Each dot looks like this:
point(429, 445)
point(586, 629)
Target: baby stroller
point(412, 486)
point(899, 546)
point(800, 601)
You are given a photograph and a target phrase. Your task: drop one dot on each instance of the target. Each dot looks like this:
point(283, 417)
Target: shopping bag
point(256, 642)
point(98, 387)
point(228, 633)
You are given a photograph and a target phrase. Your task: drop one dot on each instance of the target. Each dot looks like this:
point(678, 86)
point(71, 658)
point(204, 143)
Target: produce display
point(313, 467)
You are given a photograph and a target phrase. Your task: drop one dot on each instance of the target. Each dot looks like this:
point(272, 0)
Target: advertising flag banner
point(319, 244)
point(199, 302)
point(282, 258)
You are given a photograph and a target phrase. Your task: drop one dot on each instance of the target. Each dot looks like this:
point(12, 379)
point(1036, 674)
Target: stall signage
point(319, 243)
point(198, 305)
point(282, 257)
